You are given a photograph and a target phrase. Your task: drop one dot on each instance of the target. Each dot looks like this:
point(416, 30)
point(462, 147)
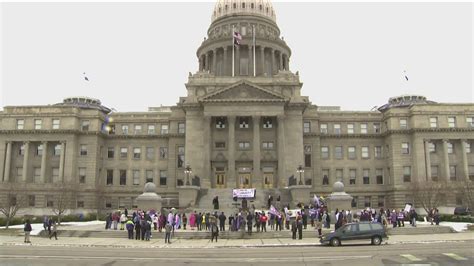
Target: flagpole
point(254, 43)
point(233, 48)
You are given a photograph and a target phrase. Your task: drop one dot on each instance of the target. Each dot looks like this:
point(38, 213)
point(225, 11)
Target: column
point(262, 55)
point(231, 151)
point(237, 61)
point(61, 161)
point(446, 159)
point(224, 67)
point(272, 61)
point(8, 160)
point(287, 63)
point(281, 153)
point(465, 164)
point(206, 62)
point(281, 61)
point(214, 61)
point(25, 161)
point(257, 175)
point(200, 63)
point(43, 161)
point(427, 160)
point(207, 148)
point(250, 63)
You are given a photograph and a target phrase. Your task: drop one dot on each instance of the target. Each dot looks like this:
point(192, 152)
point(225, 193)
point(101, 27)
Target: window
point(38, 123)
point(405, 148)
point(110, 152)
point(83, 150)
point(110, 177)
point(36, 174)
point(324, 152)
point(378, 152)
point(57, 150)
point(452, 172)
point(306, 127)
point(137, 153)
point(325, 177)
point(365, 152)
point(363, 128)
point(164, 129)
point(149, 176)
point(432, 147)
point(123, 152)
point(39, 150)
point(403, 123)
point(163, 153)
point(136, 177)
point(219, 145)
point(20, 124)
point(180, 156)
point(267, 145)
point(379, 176)
point(49, 201)
point(85, 125)
point(377, 128)
point(123, 177)
point(108, 203)
point(21, 151)
point(55, 175)
point(267, 122)
point(125, 129)
point(406, 173)
point(354, 202)
point(434, 172)
point(366, 205)
point(471, 172)
point(433, 122)
point(365, 176)
point(450, 147)
point(350, 128)
point(80, 202)
point(181, 128)
point(56, 123)
point(162, 177)
point(352, 176)
point(151, 129)
point(338, 152)
point(19, 172)
point(243, 122)
point(351, 152)
point(82, 175)
point(307, 155)
point(244, 145)
point(220, 122)
point(138, 129)
point(337, 129)
point(470, 121)
point(459, 198)
point(31, 200)
point(380, 201)
point(452, 122)
point(467, 147)
point(339, 175)
point(323, 128)
point(150, 153)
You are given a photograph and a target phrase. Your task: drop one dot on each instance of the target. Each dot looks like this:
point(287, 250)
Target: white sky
point(138, 55)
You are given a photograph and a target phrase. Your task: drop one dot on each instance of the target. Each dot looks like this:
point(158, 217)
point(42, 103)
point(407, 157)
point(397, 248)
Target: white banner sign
point(243, 193)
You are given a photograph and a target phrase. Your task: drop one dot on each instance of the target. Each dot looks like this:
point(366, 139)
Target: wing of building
point(244, 123)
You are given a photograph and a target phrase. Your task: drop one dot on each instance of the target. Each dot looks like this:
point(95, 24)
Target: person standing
point(137, 227)
point(192, 220)
point(299, 224)
point(54, 230)
point(129, 226)
point(215, 202)
point(222, 219)
point(147, 230)
point(319, 223)
point(184, 220)
point(269, 201)
point(199, 221)
point(214, 231)
point(27, 229)
point(414, 216)
point(123, 219)
point(263, 221)
point(293, 228)
point(168, 228)
point(249, 223)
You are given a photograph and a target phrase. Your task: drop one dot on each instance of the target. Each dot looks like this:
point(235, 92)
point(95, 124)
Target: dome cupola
point(244, 7)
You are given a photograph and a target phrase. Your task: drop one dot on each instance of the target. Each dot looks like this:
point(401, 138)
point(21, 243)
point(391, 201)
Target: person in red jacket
point(263, 221)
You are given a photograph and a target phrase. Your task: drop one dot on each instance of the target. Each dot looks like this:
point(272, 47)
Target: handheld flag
point(85, 77)
point(405, 74)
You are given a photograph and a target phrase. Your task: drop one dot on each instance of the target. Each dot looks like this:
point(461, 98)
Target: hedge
point(39, 219)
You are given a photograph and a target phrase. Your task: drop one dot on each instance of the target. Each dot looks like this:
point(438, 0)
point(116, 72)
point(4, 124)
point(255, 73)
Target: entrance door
point(267, 180)
point(244, 180)
point(220, 180)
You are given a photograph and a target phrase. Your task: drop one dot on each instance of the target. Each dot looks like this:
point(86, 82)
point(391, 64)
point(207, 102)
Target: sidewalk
point(206, 243)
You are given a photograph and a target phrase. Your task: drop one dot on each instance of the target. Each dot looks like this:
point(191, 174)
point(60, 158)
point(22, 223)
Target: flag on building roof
point(237, 38)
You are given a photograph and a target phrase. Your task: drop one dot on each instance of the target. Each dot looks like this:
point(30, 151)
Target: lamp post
point(187, 171)
point(300, 170)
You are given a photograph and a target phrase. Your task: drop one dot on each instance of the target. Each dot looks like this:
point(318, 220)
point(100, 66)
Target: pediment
point(243, 91)
point(220, 157)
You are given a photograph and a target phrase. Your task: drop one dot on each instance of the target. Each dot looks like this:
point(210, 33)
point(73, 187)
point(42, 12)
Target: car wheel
point(376, 240)
point(335, 242)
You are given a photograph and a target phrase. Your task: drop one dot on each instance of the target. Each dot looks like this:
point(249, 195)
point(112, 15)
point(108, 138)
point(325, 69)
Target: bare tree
point(64, 199)
point(466, 187)
point(14, 200)
point(429, 194)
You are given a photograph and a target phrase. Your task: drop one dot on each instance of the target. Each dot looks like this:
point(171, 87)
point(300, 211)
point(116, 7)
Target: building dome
point(244, 7)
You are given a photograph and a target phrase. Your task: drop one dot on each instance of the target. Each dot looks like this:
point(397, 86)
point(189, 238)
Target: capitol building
point(244, 123)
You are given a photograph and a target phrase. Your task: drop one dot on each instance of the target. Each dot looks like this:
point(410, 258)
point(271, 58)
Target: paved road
point(454, 253)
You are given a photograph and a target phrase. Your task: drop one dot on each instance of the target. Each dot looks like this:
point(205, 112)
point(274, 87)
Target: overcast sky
point(138, 55)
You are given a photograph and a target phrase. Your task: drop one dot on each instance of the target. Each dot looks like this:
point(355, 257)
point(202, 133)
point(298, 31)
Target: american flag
point(237, 38)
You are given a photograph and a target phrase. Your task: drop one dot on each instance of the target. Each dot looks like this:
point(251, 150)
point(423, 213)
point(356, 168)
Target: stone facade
point(236, 127)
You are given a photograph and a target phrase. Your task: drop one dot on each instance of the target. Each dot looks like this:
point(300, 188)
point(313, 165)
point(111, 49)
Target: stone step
point(410, 230)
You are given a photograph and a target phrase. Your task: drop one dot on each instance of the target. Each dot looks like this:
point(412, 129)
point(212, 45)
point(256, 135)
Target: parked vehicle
point(356, 232)
point(462, 211)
